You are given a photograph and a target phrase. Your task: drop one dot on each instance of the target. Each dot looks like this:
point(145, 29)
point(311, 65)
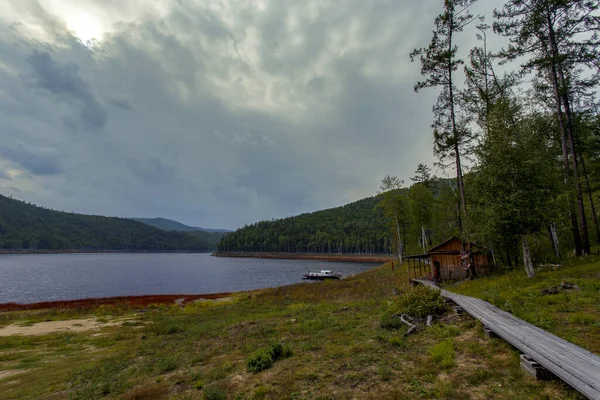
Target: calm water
point(33, 278)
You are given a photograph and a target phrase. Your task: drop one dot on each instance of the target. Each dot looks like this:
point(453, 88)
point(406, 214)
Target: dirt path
point(43, 328)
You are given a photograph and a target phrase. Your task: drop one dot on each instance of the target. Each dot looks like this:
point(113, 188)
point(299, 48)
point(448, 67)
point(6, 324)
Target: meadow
point(330, 340)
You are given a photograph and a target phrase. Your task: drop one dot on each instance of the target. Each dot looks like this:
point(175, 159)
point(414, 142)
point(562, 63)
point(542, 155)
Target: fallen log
point(405, 320)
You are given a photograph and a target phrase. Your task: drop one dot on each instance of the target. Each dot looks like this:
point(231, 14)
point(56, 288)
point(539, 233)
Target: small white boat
point(324, 274)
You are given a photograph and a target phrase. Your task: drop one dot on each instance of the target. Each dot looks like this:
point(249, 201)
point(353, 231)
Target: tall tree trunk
point(554, 239)
point(564, 98)
point(565, 153)
point(527, 256)
point(459, 176)
point(589, 192)
point(400, 249)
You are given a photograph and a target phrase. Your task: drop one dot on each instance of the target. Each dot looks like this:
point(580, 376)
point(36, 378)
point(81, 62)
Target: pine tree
point(557, 37)
point(439, 62)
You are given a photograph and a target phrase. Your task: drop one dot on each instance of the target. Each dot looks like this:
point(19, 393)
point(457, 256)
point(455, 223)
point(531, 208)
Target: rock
point(396, 292)
point(564, 285)
point(568, 285)
point(179, 302)
point(293, 320)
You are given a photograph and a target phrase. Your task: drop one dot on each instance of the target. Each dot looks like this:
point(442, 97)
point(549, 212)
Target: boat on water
point(322, 275)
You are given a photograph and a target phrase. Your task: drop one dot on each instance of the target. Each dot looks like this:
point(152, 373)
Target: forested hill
point(358, 227)
point(170, 225)
point(210, 236)
point(26, 226)
point(366, 226)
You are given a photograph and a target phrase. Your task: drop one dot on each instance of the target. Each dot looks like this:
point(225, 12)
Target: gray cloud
point(63, 81)
point(242, 113)
point(122, 101)
point(37, 160)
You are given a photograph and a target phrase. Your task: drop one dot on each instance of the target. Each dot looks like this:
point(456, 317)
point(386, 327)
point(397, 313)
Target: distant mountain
point(170, 225)
point(209, 236)
point(24, 226)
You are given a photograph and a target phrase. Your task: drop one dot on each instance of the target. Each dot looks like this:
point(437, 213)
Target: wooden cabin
point(448, 256)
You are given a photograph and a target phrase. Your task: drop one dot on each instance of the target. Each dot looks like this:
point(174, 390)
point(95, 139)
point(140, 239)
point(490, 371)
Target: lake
point(50, 277)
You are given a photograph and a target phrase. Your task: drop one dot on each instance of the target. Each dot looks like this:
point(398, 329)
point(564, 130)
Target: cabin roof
point(439, 247)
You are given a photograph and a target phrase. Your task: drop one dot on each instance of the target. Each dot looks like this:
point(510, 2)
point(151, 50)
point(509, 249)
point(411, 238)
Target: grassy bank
point(573, 314)
point(338, 350)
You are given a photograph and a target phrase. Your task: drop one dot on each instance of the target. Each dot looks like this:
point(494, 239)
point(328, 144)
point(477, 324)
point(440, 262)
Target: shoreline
point(132, 301)
point(74, 251)
point(365, 258)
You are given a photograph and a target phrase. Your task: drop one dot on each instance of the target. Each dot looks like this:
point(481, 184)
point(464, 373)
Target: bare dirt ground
point(43, 328)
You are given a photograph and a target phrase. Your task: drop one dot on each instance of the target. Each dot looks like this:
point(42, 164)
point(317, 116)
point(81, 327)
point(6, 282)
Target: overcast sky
point(213, 113)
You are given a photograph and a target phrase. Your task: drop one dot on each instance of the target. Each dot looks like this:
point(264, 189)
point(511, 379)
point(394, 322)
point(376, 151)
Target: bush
point(259, 361)
point(264, 358)
point(419, 302)
point(278, 350)
point(389, 322)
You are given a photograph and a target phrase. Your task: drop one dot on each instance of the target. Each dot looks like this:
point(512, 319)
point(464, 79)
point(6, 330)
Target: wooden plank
point(574, 365)
point(535, 334)
point(548, 342)
point(582, 385)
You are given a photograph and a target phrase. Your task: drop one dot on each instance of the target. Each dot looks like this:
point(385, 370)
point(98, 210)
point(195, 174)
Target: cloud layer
point(216, 114)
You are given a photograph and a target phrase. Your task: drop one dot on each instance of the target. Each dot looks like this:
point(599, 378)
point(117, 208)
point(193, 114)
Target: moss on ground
point(338, 351)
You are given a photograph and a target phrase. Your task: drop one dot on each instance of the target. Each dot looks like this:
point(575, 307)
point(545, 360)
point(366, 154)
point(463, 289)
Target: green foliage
point(259, 361)
point(443, 354)
point(419, 301)
point(515, 187)
point(24, 226)
point(279, 350)
point(264, 358)
point(387, 321)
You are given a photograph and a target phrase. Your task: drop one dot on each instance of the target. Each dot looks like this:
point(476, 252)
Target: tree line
point(363, 227)
point(532, 132)
point(25, 226)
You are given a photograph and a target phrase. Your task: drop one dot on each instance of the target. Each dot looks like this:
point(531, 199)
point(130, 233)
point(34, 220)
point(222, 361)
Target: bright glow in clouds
point(84, 27)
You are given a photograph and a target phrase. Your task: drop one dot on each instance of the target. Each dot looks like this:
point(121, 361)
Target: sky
point(213, 113)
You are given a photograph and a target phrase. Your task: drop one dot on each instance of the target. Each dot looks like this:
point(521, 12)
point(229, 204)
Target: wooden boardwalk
point(574, 365)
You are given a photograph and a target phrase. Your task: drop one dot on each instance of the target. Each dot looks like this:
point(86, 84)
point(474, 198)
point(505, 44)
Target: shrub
point(264, 358)
point(259, 361)
point(279, 350)
point(420, 302)
point(389, 322)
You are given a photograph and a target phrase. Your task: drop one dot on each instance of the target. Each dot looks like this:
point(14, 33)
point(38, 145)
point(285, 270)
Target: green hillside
point(24, 226)
point(210, 236)
point(358, 227)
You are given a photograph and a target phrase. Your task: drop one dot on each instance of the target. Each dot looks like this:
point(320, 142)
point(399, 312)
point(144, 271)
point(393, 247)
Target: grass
point(337, 350)
point(571, 314)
